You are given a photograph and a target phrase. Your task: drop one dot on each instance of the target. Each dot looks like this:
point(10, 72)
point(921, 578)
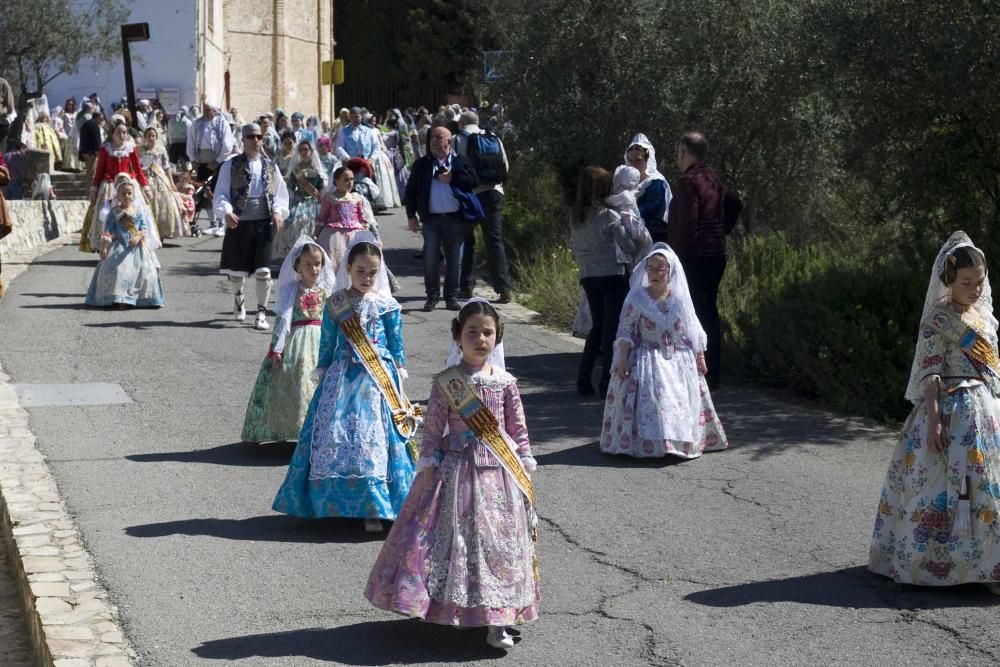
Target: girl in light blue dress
point(128, 273)
point(352, 458)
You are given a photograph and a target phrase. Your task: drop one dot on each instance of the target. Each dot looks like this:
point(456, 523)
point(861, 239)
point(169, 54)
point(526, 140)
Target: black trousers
point(605, 296)
point(704, 274)
point(496, 254)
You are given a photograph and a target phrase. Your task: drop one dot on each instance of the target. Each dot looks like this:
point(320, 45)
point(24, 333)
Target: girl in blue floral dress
point(938, 518)
point(352, 458)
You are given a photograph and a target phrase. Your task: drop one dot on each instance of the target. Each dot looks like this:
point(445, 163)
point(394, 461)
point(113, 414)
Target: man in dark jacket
point(439, 195)
point(90, 142)
point(697, 234)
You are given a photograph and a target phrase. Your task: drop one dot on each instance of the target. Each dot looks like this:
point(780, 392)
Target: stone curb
point(71, 621)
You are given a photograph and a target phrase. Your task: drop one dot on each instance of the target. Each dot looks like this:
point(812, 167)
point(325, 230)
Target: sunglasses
point(253, 136)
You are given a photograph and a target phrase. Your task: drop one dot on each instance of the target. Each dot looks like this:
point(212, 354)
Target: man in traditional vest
point(252, 198)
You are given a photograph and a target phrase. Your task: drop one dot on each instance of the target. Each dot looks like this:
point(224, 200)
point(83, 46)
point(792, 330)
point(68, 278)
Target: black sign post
point(132, 32)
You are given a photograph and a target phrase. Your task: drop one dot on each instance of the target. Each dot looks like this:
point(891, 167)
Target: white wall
point(167, 60)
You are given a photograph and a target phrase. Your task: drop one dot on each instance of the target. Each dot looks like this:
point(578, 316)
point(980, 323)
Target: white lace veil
point(679, 293)
point(938, 295)
point(626, 183)
point(153, 241)
point(496, 358)
point(288, 287)
point(652, 173)
point(381, 286)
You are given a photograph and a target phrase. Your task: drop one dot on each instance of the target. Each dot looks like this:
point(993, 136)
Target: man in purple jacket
point(697, 233)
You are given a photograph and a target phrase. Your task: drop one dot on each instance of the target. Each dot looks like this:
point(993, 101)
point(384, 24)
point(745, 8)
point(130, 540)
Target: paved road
point(751, 556)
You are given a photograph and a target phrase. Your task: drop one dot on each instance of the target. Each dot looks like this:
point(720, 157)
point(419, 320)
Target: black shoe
point(505, 297)
point(584, 386)
point(465, 294)
point(452, 304)
point(430, 304)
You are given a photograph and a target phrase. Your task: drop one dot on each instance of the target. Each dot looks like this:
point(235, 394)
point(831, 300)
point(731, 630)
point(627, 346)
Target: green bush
point(831, 325)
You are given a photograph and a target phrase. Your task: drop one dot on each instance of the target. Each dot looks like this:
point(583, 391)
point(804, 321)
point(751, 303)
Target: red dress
point(109, 166)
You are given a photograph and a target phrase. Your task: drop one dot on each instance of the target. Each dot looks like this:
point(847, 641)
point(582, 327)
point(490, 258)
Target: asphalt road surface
point(751, 556)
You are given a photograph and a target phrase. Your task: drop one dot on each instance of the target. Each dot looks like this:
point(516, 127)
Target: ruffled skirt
point(923, 533)
point(128, 275)
point(385, 178)
point(163, 206)
point(461, 551)
point(662, 408)
point(301, 221)
point(280, 398)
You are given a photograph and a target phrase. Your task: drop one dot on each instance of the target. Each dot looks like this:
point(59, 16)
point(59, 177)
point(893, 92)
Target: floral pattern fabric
point(663, 407)
point(280, 398)
point(461, 552)
point(350, 460)
point(923, 533)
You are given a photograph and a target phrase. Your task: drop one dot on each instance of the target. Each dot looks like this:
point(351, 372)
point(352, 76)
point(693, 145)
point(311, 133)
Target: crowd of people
point(455, 478)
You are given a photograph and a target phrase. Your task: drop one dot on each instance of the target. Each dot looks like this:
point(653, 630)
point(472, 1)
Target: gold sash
point(405, 415)
point(454, 384)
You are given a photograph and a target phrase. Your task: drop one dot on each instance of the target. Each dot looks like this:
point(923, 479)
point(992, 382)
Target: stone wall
point(37, 222)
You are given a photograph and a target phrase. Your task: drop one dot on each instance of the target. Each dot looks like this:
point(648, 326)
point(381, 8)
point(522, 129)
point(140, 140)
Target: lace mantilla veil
point(939, 295)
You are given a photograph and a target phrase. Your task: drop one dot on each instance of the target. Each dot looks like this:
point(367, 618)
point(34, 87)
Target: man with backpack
point(486, 154)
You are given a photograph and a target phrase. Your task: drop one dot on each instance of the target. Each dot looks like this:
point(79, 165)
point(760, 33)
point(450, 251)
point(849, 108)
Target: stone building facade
point(255, 55)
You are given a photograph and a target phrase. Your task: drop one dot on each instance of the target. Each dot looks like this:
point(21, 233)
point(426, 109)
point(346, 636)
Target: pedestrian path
point(748, 556)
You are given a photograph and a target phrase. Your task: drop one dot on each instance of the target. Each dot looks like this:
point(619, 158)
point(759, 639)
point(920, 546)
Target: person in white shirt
point(252, 198)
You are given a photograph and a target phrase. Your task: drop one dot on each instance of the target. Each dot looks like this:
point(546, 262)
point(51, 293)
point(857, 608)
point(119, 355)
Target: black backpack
point(485, 152)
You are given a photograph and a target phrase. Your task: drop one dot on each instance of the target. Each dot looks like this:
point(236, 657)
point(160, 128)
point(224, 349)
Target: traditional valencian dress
point(663, 406)
point(462, 551)
point(128, 275)
point(339, 220)
point(352, 458)
point(385, 176)
point(938, 519)
point(281, 396)
point(163, 204)
point(111, 161)
point(305, 183)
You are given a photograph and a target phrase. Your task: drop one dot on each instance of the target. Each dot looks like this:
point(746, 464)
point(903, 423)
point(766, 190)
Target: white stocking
point(263, 288)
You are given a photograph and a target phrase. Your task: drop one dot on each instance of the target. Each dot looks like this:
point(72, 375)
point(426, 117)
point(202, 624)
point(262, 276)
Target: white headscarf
point(496, 358)
point(288, 286)
point(343, 281)
point(939, 296)
point(652, 173)
point(313, 163)
point(680, 295)
point(625, 185)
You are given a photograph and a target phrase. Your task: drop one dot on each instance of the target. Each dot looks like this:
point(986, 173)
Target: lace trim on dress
point(124, 151)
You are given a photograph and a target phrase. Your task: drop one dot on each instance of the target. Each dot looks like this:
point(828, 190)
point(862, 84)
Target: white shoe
point(497, 637)
point(239, 308)
point(219, 231)
point(373, 526)
point(261, 322)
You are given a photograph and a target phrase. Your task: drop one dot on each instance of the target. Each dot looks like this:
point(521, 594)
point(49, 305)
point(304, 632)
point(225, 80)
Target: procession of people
point(452, 481)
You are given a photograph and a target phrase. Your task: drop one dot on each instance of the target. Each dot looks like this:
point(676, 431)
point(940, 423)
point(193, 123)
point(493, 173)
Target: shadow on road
point(270, 528)
point(88, 263)
point(407, 642)
point(145, 325)
point(851, 588)
point(590, 456)
point(234, 454)
point(65, 306)
point(52, 295)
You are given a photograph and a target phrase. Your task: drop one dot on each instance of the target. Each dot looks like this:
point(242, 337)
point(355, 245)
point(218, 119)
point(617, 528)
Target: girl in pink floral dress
point(658, 401)
point(461, 552)
point(342, 214)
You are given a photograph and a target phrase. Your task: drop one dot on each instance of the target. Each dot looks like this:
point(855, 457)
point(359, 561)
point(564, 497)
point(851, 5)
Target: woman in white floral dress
point(938, 518)
point(658, 401)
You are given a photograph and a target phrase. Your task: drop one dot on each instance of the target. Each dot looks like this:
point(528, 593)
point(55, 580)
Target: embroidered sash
point(974, 344)
point(462, 398)
point(405, 415)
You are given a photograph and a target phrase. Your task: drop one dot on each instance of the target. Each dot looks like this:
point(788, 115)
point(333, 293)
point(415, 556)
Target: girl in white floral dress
point(658, 402)
point(938, 518)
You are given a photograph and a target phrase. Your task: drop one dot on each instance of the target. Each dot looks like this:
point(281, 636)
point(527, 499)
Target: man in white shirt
point(252, 198)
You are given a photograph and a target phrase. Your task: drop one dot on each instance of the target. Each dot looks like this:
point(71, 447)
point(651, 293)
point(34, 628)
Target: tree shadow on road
point(89, 263)
point(234, 454)
point(269, 528)
point(65, 306)
point(146, 325)
point(851, 588)
point(52, 295)
point(407, 642)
